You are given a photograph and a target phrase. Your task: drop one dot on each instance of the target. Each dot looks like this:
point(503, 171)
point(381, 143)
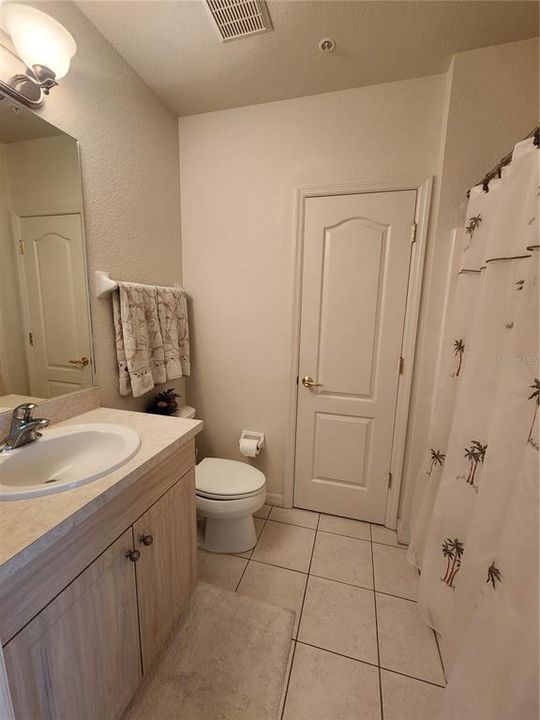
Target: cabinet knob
point(147, 540)
point(133, 555)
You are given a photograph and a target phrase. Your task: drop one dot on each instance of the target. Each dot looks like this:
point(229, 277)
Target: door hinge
point(390, 478)
point(401, 365)
point(413, 233)
point(21, 247)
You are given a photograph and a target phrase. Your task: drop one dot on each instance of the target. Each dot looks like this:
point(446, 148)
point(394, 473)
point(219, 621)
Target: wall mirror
point(45, 330)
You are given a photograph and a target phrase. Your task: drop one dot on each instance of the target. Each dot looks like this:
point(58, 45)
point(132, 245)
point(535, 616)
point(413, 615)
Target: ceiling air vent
point(239, 18)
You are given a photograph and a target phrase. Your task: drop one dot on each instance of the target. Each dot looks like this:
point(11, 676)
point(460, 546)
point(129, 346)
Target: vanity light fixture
point(45, 47)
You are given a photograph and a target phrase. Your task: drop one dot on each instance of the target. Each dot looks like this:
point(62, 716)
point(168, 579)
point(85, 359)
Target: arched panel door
point(356, 260)
point(55, 295)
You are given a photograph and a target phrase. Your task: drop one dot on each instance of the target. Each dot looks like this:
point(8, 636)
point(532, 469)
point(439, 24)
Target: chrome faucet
point(24, 428)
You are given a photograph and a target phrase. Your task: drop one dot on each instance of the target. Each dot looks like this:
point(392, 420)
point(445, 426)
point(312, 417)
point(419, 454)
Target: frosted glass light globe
point(38, 38)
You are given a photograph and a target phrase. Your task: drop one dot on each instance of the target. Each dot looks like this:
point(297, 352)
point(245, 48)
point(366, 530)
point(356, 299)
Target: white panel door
point(357, 251)
point(54, 289)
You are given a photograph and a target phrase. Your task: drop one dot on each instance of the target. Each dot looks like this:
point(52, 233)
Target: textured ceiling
point(175, 48)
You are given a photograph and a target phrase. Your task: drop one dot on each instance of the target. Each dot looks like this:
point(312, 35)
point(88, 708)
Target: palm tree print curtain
point(475, 533)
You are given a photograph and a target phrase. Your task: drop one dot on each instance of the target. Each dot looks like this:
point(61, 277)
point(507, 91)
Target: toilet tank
point(185, 411)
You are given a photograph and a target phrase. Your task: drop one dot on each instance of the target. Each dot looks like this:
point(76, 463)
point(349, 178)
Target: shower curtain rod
point(506, 160)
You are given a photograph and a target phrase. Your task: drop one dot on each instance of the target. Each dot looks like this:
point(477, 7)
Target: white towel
point(152, 336)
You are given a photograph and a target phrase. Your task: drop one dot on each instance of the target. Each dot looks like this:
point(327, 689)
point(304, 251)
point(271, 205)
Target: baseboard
point(274, 499)
point(403, 533)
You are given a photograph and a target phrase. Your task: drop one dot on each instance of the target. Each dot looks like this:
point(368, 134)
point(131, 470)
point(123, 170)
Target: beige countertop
point(27, 527)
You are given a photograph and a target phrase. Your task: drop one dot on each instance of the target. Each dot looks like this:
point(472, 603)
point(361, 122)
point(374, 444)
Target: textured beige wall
point(492, 104)
point(239, 172)
point(129, 154)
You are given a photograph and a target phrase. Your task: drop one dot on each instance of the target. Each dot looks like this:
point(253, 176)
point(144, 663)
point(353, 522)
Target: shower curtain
point(475, 534)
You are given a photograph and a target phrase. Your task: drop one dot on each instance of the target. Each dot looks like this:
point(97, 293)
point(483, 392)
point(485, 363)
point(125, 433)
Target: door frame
point(422, 184)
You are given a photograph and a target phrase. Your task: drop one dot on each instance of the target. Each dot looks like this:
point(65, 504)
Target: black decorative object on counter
point(165, 403)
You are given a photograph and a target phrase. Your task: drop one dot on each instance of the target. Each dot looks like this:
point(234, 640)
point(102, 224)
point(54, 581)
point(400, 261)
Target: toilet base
point(227, 536)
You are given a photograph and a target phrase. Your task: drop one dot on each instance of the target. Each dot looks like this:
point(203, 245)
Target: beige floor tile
point(275, 585)
point(384, 535)
point(345, 526)
point(220, 569)
point(406, 643)
point(288, 546)
point(341, 618)
point(295, 516)
point(393, 572)
point(264, 512)
point(324, 686)
point(348, 560)
point(408, 699)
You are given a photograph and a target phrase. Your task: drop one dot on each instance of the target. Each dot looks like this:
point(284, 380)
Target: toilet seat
point(222, 480)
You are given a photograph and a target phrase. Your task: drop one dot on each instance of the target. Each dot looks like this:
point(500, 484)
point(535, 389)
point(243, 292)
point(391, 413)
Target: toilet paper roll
point(249, 447)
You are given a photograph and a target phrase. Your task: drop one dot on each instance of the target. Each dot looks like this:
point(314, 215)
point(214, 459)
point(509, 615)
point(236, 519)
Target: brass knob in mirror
point(147, 540)
point(83, 362)
point(133, 555)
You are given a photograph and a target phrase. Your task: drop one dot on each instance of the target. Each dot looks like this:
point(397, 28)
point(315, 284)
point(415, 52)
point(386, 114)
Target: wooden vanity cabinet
point(83, 655)
point(79, 658)
point(167, 567)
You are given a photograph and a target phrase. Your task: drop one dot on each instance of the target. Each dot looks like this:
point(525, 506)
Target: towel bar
point(103, 285)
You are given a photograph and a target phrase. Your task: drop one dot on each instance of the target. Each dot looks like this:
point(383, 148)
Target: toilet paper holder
point(258, 437)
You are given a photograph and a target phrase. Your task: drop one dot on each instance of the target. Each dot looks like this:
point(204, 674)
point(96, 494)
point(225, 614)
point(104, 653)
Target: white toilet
point(228, 493)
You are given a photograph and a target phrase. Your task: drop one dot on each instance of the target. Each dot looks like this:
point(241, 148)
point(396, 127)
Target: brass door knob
point(133, 555)
point(147, 540)
point(83, 362)
point(309, 382)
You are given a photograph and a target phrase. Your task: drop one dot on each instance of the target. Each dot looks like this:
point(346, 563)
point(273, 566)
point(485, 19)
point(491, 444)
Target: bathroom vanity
point(93, 579)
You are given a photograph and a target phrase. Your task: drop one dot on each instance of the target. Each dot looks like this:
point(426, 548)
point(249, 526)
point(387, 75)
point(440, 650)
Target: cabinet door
point(167, 568)
point(80, 657)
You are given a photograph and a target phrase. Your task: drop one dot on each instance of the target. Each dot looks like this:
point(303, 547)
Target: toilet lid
point(227, 478)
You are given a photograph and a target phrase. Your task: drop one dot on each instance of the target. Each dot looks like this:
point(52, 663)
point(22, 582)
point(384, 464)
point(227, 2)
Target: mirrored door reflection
point(45, 330)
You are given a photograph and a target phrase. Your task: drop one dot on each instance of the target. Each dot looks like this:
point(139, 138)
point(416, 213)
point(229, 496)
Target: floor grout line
point(373, 665)
point(377, 632)
point(249, 558)
point(285, 522)
point(324, 577)
point(413, 677)
point(440, 654)
point(335, 652)
point(300, 618)
point(295, 643)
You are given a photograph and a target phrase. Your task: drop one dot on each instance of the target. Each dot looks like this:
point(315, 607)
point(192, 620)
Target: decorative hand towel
point(152, 338)
point(173, 321)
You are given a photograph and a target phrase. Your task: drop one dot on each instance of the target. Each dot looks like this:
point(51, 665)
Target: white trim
point(423, 185)
point(274, 499)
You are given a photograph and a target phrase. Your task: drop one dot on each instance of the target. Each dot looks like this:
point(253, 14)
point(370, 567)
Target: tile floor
point(360, 648)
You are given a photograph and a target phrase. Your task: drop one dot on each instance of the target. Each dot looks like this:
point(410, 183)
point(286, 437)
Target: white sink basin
point(64, 458)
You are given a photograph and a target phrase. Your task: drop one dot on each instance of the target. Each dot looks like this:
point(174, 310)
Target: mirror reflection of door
point(53, 287)
point(45, 329)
